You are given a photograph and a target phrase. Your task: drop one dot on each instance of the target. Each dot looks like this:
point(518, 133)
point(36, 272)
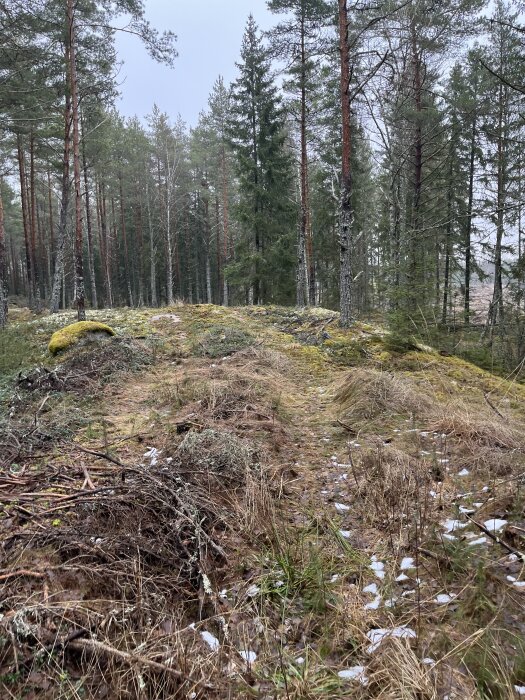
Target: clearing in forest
point(252, 503)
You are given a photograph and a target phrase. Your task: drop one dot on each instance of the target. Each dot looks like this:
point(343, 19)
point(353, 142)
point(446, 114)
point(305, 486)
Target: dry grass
point(397, 674)
point(477, 426)
point(134, 562)
point(391, 487)
point(368, 397)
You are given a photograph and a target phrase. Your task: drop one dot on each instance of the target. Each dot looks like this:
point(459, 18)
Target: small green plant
point(220, 341)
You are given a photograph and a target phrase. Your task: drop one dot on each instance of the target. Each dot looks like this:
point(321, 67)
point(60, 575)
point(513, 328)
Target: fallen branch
point(132, 659)
point(22, 572)
point(494, 537)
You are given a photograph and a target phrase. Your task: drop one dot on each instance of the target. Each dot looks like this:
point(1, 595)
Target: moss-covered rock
point(68, 336)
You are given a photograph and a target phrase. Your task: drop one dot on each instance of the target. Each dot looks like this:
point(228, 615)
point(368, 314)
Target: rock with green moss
point(68, 336)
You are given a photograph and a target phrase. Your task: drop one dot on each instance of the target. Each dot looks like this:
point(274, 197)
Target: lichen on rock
point(68, 336)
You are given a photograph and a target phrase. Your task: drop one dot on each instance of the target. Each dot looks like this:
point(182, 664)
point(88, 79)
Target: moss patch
point(68, 336)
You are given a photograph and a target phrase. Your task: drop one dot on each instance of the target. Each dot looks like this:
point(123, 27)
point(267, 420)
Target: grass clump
point(369, 395)
point(70, 335)
point(221, 341)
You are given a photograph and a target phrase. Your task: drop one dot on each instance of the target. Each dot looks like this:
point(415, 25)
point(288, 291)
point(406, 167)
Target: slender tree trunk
point(58, 273)
point(25, 218)
point(91, 252)
point(125, 241)
point(3, 266)
point(152, 253)
point(305, 251)
point(468, 227)
point(225, 221)
point(79, 260)
point(33, 220)
point(346, 214)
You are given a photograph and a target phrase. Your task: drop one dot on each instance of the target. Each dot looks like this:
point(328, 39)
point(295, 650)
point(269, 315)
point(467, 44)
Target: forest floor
point(252, 503)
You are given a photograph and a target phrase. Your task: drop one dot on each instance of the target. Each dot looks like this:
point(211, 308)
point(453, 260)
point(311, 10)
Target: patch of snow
point(428, 661)
point(495, 524)
point(485, 489)
point(378, 635)
point(334, 578)
point(479, 540)
point(249, 656)
point(223, 594)
point(345, 533)
point(371, 588)
point(519, 584)
point(210, 640)
point(407, 563)
point(512, 557)
point(378, 568)
point(341, 507)
point(451, 525)
point(511, 579)
point(374, 605)
point(433, 494)
point(299, 660)
point(390, 603)
point(466, 511)
point(478, 504)
point(355, 673)
point(520, 689)
point(449, 537)
point(401, 578)
point(252, 591)
point(407, 593)
point(464, 472)
point(444, 598)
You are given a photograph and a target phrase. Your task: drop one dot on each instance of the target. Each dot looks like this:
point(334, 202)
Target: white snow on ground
point(451, 525)
point(495, 525)
point(249, 656)
point(444, 598)
point(355, 673)
point(341, 508)
point(376, 636)
point(407, 563)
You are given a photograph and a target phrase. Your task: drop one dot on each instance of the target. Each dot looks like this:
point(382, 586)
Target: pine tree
point(265, 208)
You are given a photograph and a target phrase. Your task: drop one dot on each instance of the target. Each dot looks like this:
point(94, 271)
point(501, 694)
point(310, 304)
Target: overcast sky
point(209, 38)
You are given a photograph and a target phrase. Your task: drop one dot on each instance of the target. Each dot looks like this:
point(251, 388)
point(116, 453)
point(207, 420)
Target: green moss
point(65, 337)
point(221, 341)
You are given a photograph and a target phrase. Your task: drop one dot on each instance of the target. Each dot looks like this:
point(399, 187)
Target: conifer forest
point(262, 374)
point(367, 157)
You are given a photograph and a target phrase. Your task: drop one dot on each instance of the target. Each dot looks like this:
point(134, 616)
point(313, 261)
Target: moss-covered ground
point(355, 560)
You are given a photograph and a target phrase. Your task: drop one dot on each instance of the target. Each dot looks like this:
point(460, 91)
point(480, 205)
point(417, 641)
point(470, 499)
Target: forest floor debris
point(305, 513)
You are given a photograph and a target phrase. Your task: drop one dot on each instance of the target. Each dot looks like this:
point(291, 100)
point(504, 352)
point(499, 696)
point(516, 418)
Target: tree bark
point(3, 266)
point(25, 218)
point(79, 260)
point(58, 272)
point(345, 207)
point(91, 252)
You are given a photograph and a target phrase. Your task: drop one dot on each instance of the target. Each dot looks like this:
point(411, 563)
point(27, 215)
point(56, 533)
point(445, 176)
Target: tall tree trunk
point(58, 273)
point(414, 287)
point(225, 221)
point(125, 241)
point(346, 214)
point(305, 251)
point(25, 218)
point(79, 260)
point(152, 253)
point(33, 220)
point(91, 252)
point(468, 227)
point(3, 266)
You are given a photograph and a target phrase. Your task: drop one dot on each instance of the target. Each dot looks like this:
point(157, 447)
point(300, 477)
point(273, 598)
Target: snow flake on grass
point(407, 563)
point(249, 656)
point(378, 568)
point(478, 541)
point(371, 588)
point(252, 591)
point(374, 605)
point(452, 525)
point(345, 533)
point(444, 598)
point(378, 635)
point(355, 673)
point(495, 524)
point(464, 472)
point(341, 507)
